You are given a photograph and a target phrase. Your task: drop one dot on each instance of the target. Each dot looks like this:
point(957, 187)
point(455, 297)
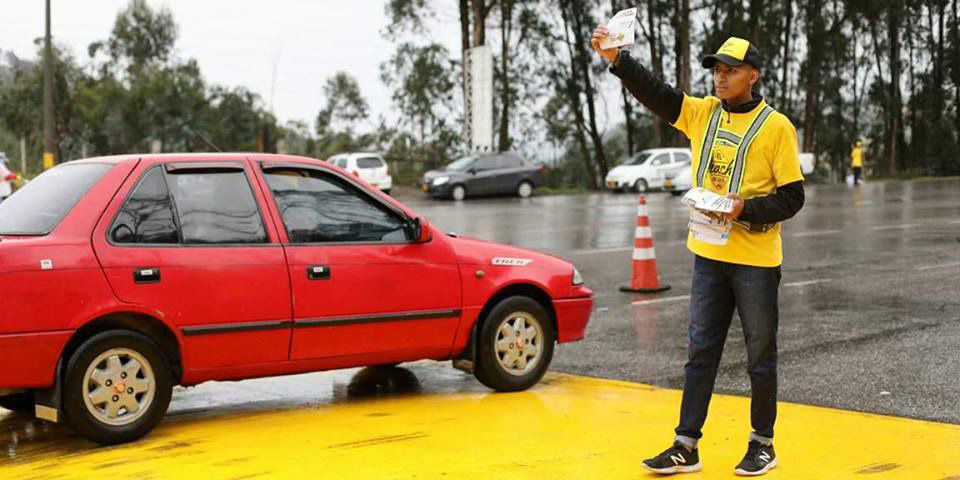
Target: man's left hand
point(737, 207)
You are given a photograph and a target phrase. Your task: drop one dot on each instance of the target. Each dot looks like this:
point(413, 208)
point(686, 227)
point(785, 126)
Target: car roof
point(667, 149)
point(116, 159)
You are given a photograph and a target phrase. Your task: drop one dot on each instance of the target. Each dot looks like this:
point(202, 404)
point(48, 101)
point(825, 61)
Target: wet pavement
point(870, 297)
point(428, 421)
point(870, 321)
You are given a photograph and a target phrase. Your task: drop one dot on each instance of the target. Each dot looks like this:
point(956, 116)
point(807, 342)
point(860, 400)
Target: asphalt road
point(870, 297)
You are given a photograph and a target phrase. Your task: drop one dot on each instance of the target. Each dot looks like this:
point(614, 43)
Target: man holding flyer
point(745, 151)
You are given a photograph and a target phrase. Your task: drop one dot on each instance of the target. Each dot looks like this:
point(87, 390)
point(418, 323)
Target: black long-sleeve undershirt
point(776, 207)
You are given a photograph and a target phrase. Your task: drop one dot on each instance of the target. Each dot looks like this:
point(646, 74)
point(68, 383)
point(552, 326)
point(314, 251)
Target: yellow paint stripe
point(568, 427)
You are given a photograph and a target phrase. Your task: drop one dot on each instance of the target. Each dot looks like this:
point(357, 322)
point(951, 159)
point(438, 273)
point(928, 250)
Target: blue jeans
point(719, 288)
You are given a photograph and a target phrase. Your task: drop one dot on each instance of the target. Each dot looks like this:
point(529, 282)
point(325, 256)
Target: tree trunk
point(480, 11)
point(576, 106)
point(506, 12)
point(815, 34)
point(580, 45)
point(785, 77)
point(682, 52)
point(895, 159)
point(756, 11)
point(653, 39)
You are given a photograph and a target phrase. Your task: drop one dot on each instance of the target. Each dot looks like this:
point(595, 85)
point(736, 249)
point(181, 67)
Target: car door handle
point(318, 272)
point(146, 275)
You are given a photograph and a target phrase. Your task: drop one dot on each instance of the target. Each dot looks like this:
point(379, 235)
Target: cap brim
point(710, 60)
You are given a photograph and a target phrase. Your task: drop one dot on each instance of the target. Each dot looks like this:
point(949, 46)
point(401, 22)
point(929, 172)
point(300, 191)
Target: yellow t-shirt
point(771, 161)
point(856, 157)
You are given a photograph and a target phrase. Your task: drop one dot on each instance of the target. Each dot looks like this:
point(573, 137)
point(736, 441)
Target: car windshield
point(38, 207)
point(462, 164)
point(639, 159)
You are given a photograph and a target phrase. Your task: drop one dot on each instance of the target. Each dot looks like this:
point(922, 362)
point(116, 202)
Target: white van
point(646, 169)
point(370, 167)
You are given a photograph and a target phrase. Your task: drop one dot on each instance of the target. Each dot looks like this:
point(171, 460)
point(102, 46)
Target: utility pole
point(48, 140)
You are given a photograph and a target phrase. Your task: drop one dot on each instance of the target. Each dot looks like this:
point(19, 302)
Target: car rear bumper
point(573, 314)
point(29, 360)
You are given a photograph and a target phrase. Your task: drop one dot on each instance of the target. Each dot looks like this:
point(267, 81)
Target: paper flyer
point(621, 28)
point(703, 199)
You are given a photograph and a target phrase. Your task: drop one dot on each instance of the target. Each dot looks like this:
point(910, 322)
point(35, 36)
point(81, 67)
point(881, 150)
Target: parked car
point(124, 276)
point(679, 181)
point(644, 171)
point(483, 174)
point(369, 166)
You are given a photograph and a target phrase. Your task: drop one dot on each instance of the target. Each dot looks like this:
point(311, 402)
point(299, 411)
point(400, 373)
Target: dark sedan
point(483, 174)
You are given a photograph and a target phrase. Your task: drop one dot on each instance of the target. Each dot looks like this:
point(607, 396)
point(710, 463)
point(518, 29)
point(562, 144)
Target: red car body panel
point(243, 311)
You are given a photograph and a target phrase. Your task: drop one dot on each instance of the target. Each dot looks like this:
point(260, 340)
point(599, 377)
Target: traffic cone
point(644, 278)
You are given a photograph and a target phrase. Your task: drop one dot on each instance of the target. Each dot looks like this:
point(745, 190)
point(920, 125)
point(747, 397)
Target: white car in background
point(679, 182)
point(369, 167)
point(646, 169)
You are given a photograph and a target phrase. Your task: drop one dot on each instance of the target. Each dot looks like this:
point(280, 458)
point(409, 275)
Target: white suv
point(369, 167)
point(646, 169)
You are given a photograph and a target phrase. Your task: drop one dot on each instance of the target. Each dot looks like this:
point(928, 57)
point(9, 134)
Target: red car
point(124, 276)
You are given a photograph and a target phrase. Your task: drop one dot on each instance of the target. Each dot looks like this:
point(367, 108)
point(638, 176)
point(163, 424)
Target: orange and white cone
point(644, 278)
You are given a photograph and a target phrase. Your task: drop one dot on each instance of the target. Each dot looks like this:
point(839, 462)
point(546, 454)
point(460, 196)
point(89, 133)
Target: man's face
point(733, 82)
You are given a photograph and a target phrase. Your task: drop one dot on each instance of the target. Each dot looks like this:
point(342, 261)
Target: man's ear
point(754, 77)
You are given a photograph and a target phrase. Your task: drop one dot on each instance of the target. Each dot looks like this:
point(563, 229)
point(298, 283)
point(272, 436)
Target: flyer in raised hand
point(621, 28)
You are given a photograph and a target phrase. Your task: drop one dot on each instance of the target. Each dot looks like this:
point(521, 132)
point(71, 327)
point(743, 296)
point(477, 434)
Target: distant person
point(6, 178)
point(746, 150)
point(856, 161)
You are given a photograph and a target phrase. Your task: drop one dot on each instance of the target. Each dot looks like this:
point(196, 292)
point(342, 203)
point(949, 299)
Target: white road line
point(892, 227)
point(602, 250)
point(816, 232)
point(687, 297)
point(661, 300)
point(808, 282)
point(954, 221)
point(942, 265)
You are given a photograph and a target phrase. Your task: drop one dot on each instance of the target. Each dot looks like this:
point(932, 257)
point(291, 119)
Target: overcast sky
point(238, 42)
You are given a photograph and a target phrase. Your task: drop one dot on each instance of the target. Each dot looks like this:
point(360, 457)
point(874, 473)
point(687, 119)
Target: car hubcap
point(458, 193)
point(118, 386)
point(641, 186)
point(519, 343)
point(525, 190)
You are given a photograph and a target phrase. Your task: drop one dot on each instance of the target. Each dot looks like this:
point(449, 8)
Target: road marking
point(954, 221)
point(893, 227)
point(808, 282)
point(816, 232)
point(941, 265)
point(602, 250)
point(687, 297)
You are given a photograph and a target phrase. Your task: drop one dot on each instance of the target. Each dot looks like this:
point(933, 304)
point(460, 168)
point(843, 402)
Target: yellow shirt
point(856, 157)
point(771, 161)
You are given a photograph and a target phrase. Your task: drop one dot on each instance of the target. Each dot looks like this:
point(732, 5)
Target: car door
point(361, 287)
point(187, 240)
point(482, 175)
point(509, 173)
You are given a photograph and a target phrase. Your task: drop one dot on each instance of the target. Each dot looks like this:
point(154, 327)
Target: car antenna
point(205, 139)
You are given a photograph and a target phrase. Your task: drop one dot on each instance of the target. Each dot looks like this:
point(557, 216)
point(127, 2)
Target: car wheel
point(117, 387)
point(525, 189)
point(676, 193)
point(17, 402)
point(458, 193)
point(515, 345)
point(640, 186)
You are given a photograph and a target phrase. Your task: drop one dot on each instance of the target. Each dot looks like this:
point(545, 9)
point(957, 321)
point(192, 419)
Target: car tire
point(18, 402)
point(496, 366)
point(116, 358)
point(640, 186)
point(676, 193)
point(458, 192)
point(525, 189)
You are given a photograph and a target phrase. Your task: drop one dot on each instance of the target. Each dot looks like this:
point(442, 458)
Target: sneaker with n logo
point(676, 459)
point(759, 460)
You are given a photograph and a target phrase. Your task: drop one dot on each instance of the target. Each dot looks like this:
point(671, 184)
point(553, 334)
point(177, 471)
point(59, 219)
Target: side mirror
point(421, 230)
point(472, 171)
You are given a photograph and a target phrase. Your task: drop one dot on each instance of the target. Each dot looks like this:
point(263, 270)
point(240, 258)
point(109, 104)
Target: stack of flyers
point(707, 223)
point(621, 29)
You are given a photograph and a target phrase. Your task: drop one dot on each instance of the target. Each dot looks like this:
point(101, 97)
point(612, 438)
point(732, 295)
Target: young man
point(748, 151)
point(856, 161)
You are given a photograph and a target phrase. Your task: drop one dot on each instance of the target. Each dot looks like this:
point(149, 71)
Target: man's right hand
point(598, 34)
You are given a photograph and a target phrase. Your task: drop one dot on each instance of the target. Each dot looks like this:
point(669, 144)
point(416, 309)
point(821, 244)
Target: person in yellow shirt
point(746, 150)
point(856, 161)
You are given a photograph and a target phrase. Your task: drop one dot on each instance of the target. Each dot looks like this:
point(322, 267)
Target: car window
point(486, 163)
point(342, 162)
point(38, 207)
point(319, 207)
point(215, 206)
point(147, 214)
point(638, 159)
point(681, 157)
point(369, 162)
point(510, 161)
point(660, 159)
point(462, 164)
